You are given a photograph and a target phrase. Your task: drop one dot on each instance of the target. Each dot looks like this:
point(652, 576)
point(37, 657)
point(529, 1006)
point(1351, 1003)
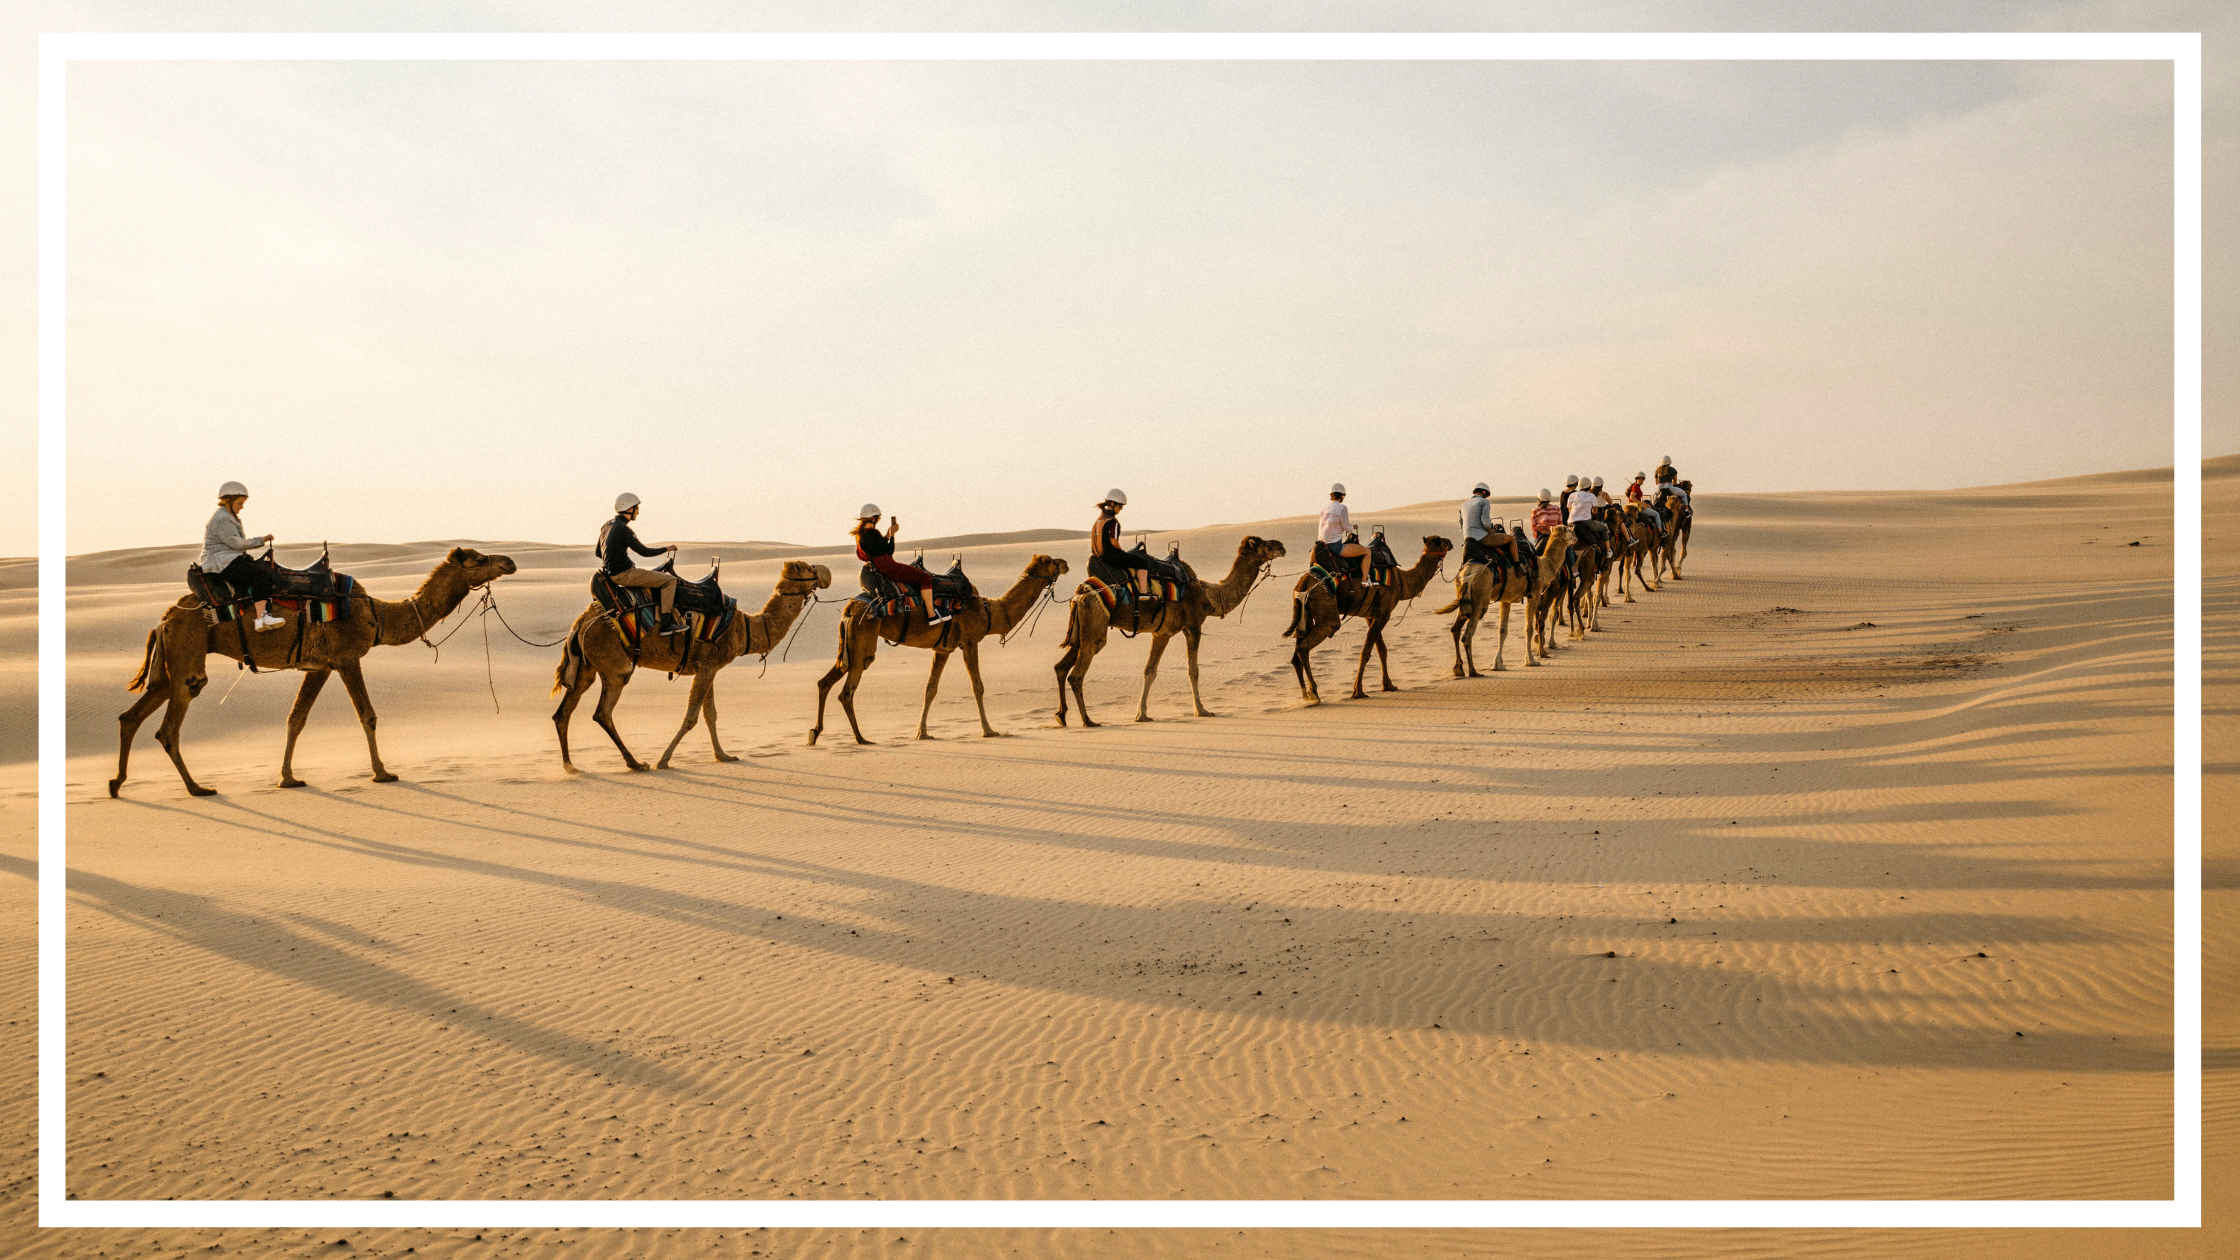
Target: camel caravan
point(1558, 564)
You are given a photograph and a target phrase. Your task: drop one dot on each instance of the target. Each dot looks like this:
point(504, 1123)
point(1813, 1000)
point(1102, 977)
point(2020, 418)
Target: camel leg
point(128, 726)
point(1501, 640)
point(1302, 660)
point(979, 690)
point(933, 684)
point(306, 695)
point(824, 688)
point(1150, 671)
point(567, 709)
point(848, 699)
point(1190, 639)
point(708, 711)
point(692, 703)
point(1459, 632)
point(1084, 651)
point(354, 681)
point(1065, 662)
point(174, 717)
point(610, 692)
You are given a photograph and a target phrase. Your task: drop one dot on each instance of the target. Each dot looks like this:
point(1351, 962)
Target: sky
point(406, 301)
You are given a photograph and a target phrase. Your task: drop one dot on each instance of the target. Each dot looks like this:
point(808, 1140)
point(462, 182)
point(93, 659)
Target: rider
point(616, 541)
point(1635, 496)
point(1666, 473)
point(1580, 506)
point(1336, 527)
point(1477, 523)
point(877, 550)
point(1104, 540)
point(225, 553)
point(1545, 517)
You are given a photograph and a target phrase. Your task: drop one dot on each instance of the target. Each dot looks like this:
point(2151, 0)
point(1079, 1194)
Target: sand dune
point(1839, 869)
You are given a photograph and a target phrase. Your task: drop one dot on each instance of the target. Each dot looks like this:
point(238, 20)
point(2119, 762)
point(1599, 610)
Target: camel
point(861, 630)
point(1634, 539)
point(1316, 614)
point(1088, 623)
point(595, 649)
point(172, 665)
point(1583, 604)
point(1477, 589)
point(1676, 541)
point(1648, 549)
point(1554, 593)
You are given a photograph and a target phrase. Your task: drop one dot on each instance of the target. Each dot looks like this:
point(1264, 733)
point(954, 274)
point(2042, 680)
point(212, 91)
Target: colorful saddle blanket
point(1145, 592)
point(319, 593)
point(636, 610)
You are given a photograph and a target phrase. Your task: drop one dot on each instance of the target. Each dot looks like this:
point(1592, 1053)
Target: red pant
point(907, 574)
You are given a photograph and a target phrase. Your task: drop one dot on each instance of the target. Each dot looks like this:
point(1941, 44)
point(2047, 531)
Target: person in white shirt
point(225, 552)
point(1580, 507)
point(1336, 527)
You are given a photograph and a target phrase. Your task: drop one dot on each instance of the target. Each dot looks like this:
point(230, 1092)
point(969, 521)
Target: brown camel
point(1584, 605)
point(596, 642)
point(1087, 624)
point(1683, 524)
point(861, 630)
point(172, 666)
point(1630, 541)
point(1316, 614)
point(1477, 589)
point(1554, 593)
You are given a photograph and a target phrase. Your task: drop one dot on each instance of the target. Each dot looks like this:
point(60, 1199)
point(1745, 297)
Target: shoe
point(267, 622)
point(673, 626)
point(938, 620)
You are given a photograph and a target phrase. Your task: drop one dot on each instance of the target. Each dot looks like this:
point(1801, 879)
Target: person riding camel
point(1104, 541)
point(616, 541)
point(1666, 473)
point(1635, 496)
point(1545, 517)
point(1335, 531)
point(225, 553)
point(1582, 504)
point(1478, 524)
point(877, 550)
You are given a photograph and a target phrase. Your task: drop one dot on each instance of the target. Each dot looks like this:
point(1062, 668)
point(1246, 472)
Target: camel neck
point(1230, 591)
point(770, 625)
point(415, 615)
point(1004, 612)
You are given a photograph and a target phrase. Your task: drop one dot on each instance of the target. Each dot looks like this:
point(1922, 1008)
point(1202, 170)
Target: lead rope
point(1049, 597)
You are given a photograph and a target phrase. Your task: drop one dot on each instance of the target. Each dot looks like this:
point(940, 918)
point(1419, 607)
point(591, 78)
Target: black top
point(617, 541)
point(1104, 536)
point(870, 543)
point(1667, 473)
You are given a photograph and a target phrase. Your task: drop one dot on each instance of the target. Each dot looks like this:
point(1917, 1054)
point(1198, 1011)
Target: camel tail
point(1459, 601)
point(564, 677)
point(1074, 613)
point(1298, 616)
point(149, 674)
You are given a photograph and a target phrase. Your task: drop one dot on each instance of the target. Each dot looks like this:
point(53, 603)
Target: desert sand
point(1840, 868)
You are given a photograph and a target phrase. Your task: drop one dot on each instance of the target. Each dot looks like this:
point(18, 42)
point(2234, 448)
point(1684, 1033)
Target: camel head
point(1259, 550)
point(1433, 545)
point(1048, 568)
point(479, 569)
point(798, 572)
point(1688, 486)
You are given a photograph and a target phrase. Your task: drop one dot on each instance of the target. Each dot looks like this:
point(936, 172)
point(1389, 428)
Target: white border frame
point(2183, 51)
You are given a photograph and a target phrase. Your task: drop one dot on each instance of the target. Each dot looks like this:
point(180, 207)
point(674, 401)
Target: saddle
point(317, 595)
point(1337, 571)
point(318, 591)
point(1122, 587)
point(952, 591)
point(636, 610)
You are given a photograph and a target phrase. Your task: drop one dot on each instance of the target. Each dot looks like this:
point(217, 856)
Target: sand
point(1748, 896)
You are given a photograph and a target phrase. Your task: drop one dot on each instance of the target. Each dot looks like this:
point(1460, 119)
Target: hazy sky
point(409, 301)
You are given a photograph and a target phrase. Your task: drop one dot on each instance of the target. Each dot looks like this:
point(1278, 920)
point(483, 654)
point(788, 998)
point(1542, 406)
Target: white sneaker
point(938, 620)
point(266, 622)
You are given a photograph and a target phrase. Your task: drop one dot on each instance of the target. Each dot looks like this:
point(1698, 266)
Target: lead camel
point(172, 667)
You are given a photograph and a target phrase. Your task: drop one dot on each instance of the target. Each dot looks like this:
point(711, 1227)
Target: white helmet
point(1569, 482)
point(1667, 462)
point(1546, 495)
point(1598, 483)
point(625, 501)
point(1641, 476)
point(870, 512)
point(233, 490)
point(1116, 496)
point(1481, 486)
point(1337, 487)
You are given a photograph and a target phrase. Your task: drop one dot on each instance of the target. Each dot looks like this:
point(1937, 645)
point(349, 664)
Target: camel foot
point(1207, 713)
point(725, 757)
point(662, 764)
point(639, 767)
point(196, 789)
point(1145, 717)
point(861, 742)
point(114, 784)
point(923, 735)
point(1500, 668)
point(1086, 722)
point(813, 738)
point(569, 767)
point(289, 781)
point(1390, 687)
point(995, 734)
point(383, 776)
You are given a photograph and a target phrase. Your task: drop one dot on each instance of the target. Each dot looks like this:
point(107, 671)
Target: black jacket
point(616, 541)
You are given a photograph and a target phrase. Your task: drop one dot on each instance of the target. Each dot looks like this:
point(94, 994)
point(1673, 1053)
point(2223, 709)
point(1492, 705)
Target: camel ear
point(458, 556)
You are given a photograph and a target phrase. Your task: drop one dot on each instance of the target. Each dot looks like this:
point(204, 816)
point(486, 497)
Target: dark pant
point(1121, 559)
point(248, 579)
point(906, 574)
point(1592, 531)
